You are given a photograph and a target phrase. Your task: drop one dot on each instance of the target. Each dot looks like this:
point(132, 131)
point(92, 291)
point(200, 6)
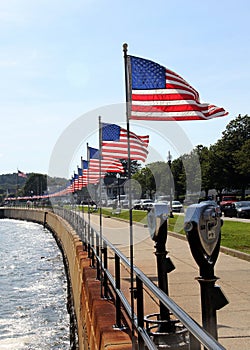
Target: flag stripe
point(182, 107)
point(186, 115)
point(160, 94)
point(106, 166)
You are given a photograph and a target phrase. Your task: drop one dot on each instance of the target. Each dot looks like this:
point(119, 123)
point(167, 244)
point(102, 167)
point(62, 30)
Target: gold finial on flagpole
point(125, 47)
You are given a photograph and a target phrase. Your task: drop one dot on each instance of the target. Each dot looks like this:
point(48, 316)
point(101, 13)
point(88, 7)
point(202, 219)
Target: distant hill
point(10, 182)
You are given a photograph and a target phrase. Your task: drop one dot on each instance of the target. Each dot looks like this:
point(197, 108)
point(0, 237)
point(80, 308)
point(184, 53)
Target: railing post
point(118, 286)
point(78, 223)
point(98, 267)
point(85, 236)
point(194, 344)
point(88, 241)
point(45, 218)
point(105, 265)
point(81, 228)
point(140, 311)
point(92, 246)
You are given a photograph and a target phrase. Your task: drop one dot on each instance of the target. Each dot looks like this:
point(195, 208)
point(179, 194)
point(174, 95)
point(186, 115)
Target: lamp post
point(118, 184)
point(169, 159)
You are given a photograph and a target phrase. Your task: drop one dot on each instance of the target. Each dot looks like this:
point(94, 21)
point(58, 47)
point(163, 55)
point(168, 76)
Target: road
point(226, 218)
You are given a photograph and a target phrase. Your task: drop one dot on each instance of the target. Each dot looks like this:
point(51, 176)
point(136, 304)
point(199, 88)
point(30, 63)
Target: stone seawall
point(1, 213)
point(95, 316)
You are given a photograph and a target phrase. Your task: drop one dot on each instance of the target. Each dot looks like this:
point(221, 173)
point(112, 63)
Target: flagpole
point(82, 188)
point(100, 187)
point(16, 186)
point(88, 191)
point(74, 185)
point(100, 195)
point(131, 238)
point(78, 192)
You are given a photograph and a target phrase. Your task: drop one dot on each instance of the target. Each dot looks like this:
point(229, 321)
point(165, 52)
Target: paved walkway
point(233, 320)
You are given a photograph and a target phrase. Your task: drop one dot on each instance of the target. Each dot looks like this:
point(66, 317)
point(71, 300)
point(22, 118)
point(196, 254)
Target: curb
point(225, 250)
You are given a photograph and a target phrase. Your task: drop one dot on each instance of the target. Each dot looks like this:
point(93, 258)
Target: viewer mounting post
point(202, 225)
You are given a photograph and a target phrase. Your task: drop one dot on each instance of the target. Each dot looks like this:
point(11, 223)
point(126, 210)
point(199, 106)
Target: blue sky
point(61, 59)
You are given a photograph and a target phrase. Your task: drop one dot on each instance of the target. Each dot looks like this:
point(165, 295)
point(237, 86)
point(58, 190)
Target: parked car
point(124, 202)
point(226, 201)
point(177, 206)
point(146, 204)
point(239, 209)
point(136, 204)
point(111, 202)
point(162, 199)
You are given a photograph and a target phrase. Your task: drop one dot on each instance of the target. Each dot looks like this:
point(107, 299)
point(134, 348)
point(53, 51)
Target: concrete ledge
point(236, 253)
point(101, 314)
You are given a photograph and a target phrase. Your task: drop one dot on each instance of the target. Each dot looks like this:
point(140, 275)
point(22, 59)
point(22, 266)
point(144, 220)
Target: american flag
point(157, 93)
point(99, 167)
point(115, 143)
point(83, 177)
point(70, 188)
point(80, 178)
point(108, 164)
point(75, 183)
point(21, 174)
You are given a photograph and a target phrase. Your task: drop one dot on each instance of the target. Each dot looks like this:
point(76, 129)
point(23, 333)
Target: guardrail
point(190, 335)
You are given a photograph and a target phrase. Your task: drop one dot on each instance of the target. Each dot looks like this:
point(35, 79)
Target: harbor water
point(33, 289)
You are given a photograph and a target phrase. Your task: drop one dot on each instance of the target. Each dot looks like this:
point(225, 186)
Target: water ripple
point(33, 313)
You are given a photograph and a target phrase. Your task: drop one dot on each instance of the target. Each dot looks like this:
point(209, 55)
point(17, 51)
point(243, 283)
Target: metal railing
point(98, 248)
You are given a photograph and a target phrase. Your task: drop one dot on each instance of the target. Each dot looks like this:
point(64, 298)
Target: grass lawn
point(138, 215)
point(235, 235)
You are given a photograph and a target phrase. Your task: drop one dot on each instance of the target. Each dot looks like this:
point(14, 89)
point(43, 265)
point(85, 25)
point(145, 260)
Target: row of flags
point(153, 92)
point(107, 159)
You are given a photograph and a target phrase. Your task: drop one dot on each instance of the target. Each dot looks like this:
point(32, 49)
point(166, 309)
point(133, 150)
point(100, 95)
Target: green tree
point(155, 179)
point(192, 175)
point(205, 164)
point(162, 177)
point(218, 170)
point(35, 185)
point(242, 167)
point(146, 180)
point(179, 175)
point(229, 154)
